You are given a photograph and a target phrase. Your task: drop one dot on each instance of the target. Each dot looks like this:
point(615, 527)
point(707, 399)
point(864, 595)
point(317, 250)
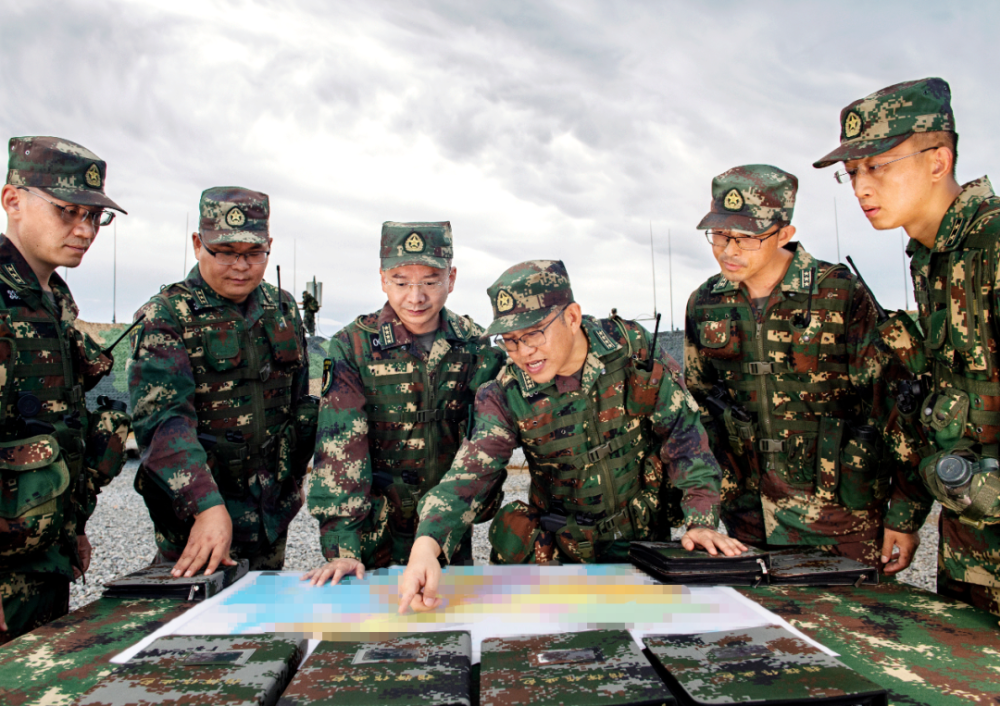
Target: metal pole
point(670, 274)
point(906, 284)
point(652, 262)
point(186, 236)
point(114, 278)
point(836, 227)
point(295, 270)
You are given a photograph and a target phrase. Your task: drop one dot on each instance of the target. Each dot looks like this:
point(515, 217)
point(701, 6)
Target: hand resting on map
point(335, 570)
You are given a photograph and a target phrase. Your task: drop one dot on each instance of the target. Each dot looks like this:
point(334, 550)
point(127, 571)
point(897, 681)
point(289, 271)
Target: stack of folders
point(593, 668)
point(428, 669)
point(814, 567)
point(671, 563)
point(223, 670)
point(767, 665)
point(155, 581)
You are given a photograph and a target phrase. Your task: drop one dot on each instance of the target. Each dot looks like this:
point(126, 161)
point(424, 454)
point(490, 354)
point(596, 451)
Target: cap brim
point(82, 197)
point(391, 263)
point(515, 322)
point(223, 237)
point(860, 150)
point(732, 221)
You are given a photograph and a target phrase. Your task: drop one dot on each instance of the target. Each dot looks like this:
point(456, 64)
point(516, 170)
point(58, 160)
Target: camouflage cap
point(751, 198)
point(416, 244)
point(526, 293)
point(231, 214)
point(879, 122)
point(62, 169)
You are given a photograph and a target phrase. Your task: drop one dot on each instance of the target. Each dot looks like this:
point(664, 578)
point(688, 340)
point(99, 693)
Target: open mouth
point(535, 366)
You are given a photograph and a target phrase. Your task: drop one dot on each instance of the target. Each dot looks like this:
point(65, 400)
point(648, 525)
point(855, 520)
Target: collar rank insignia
point(605, 340)
point(414, 243)
point(733, 200)
point(235, 217)
point(852, 125)
point(505, 302)
point(807, 279)
point(527, 384)
point(12, 273)
point(388, 337)
point(93, 177)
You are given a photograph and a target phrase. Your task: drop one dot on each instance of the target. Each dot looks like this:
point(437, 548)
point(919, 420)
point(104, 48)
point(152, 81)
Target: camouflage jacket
point(377, 383)
point(672, 429)
point(215, 387)
point(955, 287)
point(44, 358)
point(808, 465)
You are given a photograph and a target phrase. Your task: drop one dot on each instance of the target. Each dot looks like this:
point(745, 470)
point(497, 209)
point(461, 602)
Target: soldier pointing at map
point(612, 439)
point(55, 455)
point(899, 148)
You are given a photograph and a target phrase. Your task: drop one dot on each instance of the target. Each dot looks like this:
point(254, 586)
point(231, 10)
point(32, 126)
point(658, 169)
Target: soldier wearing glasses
point(55, 455)
point(397, 400)
point(219, 385)
point(899, 148)
point(613, 440)
point(780, 352)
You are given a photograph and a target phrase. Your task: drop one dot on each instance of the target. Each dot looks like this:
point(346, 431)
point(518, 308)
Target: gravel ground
point(122, 536)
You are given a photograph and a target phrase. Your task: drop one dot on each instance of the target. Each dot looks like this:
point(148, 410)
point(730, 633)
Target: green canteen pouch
point(718, 339)
point(643, 389)
point(902, 335)
point(33, 478)
point(946, 413)
point(222, 348)
point(513, 533)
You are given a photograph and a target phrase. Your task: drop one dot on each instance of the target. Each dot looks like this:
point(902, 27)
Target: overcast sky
point(539, 129)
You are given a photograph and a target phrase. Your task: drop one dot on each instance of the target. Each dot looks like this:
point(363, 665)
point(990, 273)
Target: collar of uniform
point(961, 213)
point(458, 328)
point(391, 332)
point(205, 297)
point(798, 277)
point(16, 271)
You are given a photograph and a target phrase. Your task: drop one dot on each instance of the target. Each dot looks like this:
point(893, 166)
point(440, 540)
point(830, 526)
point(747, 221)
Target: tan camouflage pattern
point(886, 118)
point(662, 476)
point(429, 668)
point(418, 243)
point(61, 168)
point(759, 665)
point(822, 378)
point(232, 214)
point(751, 199)
point(526, 293)
point(595, 667)
point(955, 289)
point(179, 671)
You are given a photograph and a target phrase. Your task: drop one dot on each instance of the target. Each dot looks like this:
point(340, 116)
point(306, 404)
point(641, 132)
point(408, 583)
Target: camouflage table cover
point(922, 648)
point(55, 664)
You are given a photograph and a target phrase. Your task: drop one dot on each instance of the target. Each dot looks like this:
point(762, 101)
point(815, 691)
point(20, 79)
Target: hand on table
point(337, 569)
point(208, 542)
point(907, 545)
point(711, 541)
point(419, 582)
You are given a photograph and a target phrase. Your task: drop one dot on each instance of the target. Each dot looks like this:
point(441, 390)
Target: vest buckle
point(760, 368)
point(429, 415)
point(596, 454)
point(771, 446)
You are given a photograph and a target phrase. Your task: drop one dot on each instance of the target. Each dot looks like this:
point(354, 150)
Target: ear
point(11, 199)
point(451, 279)
point(785, 236)
point(942, 160)
point(381, 280)
point(573, 317)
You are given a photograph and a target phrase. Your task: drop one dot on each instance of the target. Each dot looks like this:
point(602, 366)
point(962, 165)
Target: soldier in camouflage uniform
point(309, 308)
point(219, 386)
point(781, 346)
point(898, 146)
point(397, 397)
point(54, 455)
point(598, 422)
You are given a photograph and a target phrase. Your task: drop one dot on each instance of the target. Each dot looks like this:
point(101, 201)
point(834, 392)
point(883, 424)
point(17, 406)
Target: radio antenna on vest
point(124, 334)
point(647, 364)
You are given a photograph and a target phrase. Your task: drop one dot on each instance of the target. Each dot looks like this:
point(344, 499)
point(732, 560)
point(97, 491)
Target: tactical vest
point(44, 421)
point(586, 450)
point(790, 371)
point(955, 308)
point(408, 406)
point(243, 382)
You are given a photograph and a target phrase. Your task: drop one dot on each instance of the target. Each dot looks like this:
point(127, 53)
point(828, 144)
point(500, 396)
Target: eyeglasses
point(421, 286)
point(721, 238)
point(257, 257)
point(532, 339)
point(876, 170)
point(75, 215)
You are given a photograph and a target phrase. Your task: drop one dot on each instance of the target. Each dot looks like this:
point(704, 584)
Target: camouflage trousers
point(518, 538)
point(868, 552)
point(985, 597)
point(31, 600)
point(262, 556)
